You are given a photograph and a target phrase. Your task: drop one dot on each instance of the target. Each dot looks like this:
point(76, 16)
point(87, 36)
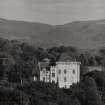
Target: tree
point(92, 95)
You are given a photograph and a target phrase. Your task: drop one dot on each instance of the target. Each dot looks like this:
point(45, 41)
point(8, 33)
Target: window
point(59, 72)
point(73, 71)
point(53, 81)
point(65, 86)
point(53, 74)
point(44, 71)
point(53, 70)
point(43, 78)
point(65, 71)
point(65, 79)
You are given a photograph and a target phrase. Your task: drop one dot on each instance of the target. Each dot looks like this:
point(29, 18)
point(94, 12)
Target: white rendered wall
point(70, 76)
point(45, 74)
point(53, 70)
point(35, 78)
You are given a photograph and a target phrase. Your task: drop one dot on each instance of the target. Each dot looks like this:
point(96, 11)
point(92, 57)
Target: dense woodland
point(17, 61)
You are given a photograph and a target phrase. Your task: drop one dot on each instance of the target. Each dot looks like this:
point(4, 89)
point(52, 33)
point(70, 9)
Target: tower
point(68, 73)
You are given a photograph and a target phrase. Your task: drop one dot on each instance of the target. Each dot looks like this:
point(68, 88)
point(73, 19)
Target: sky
point(53, 12)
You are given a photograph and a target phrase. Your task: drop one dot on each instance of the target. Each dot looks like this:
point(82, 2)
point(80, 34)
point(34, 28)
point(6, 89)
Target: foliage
point(23, 58)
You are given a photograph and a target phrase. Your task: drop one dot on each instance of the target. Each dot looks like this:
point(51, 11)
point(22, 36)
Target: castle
point(65, 73)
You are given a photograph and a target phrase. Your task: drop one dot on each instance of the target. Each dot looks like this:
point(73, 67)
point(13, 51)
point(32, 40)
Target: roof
point(65, 57)
point(35, 69)
point(43, 64)
point(68, 62)
point(46, 60)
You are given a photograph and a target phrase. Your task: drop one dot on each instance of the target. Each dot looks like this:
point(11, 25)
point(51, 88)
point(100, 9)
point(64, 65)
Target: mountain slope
point(83, 34)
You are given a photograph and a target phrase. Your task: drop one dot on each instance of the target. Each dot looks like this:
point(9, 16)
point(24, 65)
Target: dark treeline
point(17, 60)
point(90, 91)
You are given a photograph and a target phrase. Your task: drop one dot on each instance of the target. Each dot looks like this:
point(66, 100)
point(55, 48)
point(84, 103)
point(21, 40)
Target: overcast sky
point(52, 11)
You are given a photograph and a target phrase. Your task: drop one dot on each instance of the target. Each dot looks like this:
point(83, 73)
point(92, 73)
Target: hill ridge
point(83, 34)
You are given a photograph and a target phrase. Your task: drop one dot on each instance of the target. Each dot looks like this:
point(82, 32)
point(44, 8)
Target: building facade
point(63, 73)
point(44, 71)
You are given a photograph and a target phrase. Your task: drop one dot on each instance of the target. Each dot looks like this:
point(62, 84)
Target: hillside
point(83, 34)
